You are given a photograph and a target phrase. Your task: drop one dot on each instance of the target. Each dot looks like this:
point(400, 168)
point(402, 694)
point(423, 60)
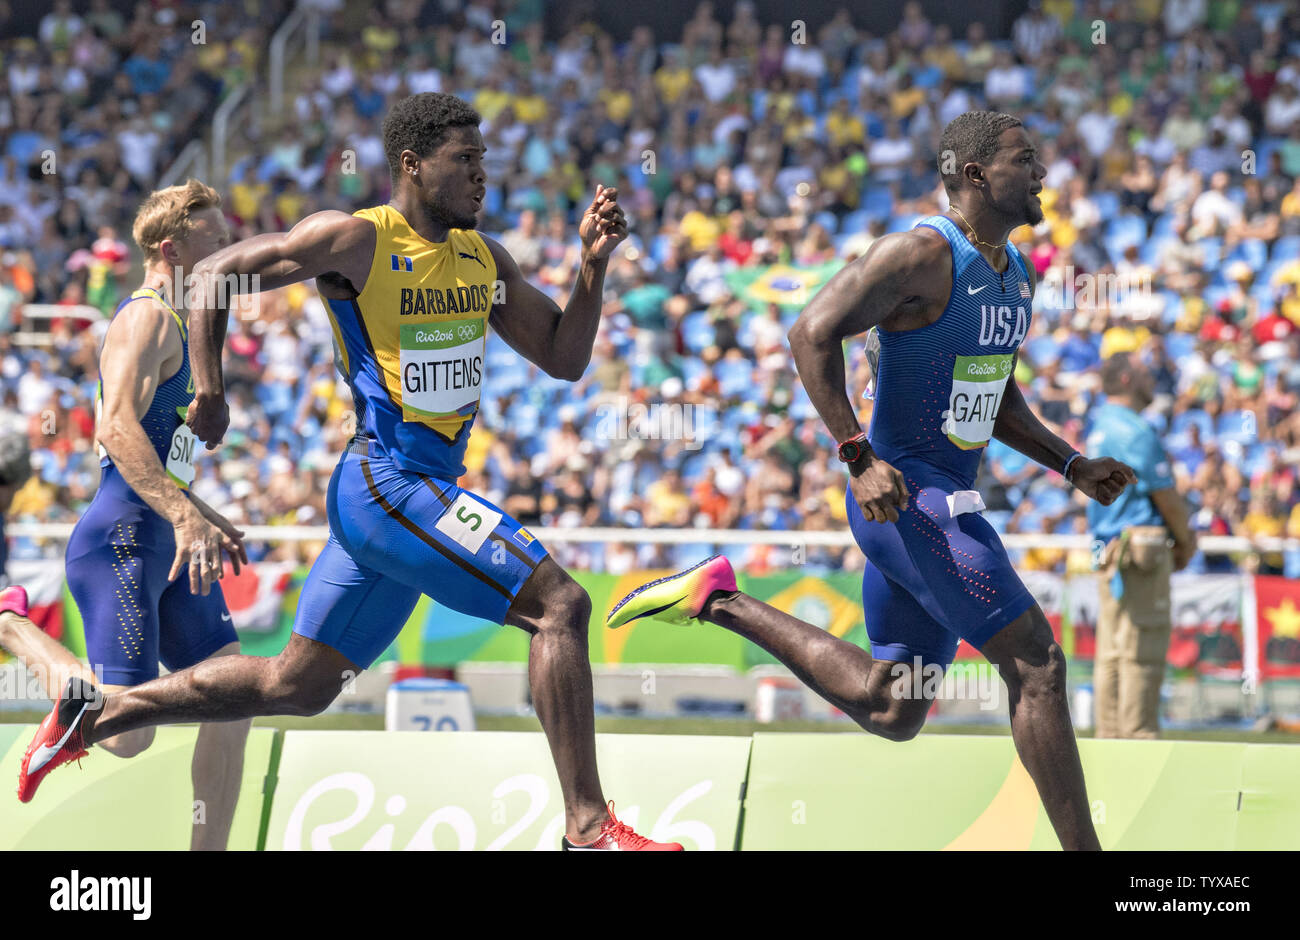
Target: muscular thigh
point(953, 565)
point(432, 536)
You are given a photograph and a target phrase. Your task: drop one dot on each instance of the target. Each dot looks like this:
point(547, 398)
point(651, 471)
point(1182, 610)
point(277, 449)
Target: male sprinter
point(142, 561)
point(951, 300)
point(411, 289)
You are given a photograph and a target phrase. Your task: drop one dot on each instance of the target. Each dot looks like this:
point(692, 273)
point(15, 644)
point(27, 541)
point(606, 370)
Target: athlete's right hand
point(879, 490)
point(198, 543)
point(208, 417)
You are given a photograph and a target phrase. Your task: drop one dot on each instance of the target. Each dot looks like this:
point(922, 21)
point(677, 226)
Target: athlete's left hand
point(1102, 479)
point(208, 417)
point(603, 225)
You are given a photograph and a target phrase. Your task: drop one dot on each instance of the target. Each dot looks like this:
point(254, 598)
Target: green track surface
point(345, 721)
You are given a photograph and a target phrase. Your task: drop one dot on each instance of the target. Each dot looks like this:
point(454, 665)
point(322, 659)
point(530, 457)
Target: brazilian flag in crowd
point(787, 285)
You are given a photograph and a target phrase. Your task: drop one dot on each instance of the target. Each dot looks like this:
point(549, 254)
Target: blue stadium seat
point(856, 221)
point(1239, 426)
point(828, 221)
point(903, 223)
point(1213, 248)
point(1173, 309)
point(1130, 228)
point(1286, 248)
point(1185, 419)
point(1163, 227)
point(734, 376)
point(697, 331)
point(1107, 203)
point(1253, 251)
point(877, 201)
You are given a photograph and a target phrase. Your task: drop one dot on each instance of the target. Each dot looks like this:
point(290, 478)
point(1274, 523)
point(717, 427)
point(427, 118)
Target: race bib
point(441, 368)
point(468, 522)
point(977, 386)
point(180, 454)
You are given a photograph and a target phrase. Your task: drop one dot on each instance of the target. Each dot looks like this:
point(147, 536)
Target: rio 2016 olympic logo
point(467, 333)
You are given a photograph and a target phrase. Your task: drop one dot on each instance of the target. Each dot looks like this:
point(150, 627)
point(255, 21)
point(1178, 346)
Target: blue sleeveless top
point(939, 387)
point(165, 416)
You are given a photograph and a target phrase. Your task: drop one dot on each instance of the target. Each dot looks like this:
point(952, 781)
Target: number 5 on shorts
point(468, 522)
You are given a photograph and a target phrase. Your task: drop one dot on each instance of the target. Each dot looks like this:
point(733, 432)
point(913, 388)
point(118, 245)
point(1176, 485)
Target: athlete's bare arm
point(141, 348)
point(331, 246)
point(560, 341)
point(1017, 426)
point(901, 283)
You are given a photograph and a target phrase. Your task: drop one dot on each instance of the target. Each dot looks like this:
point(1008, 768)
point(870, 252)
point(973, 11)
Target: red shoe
point(618, 837)
point(58, 740)
point(13, 600)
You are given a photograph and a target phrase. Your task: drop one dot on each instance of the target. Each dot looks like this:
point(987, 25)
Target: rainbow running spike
point(678, 598)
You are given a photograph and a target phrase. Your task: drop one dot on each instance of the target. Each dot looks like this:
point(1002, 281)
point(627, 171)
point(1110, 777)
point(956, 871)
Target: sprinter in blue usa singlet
point(940, 573)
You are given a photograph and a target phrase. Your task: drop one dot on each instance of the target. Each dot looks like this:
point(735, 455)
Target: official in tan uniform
point(1139, 540)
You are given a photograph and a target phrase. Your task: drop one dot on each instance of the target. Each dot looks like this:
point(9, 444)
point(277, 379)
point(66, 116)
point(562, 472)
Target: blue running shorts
point(118, 558)
point(933, 578)
point(396, 534)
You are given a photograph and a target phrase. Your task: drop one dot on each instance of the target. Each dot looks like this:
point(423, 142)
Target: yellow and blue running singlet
point(411, 346)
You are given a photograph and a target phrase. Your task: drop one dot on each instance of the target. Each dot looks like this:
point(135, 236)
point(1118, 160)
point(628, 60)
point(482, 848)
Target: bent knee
point(898, 720)
point(568, 607)
point(1041, 672)
point(898, 725)
point(128, 743)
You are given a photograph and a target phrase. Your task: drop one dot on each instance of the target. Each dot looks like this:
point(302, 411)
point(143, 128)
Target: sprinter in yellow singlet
point(412, 290)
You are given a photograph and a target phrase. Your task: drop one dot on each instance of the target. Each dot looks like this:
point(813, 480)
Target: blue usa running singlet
point(940, 573)
point(164, 421)
point(939, 387)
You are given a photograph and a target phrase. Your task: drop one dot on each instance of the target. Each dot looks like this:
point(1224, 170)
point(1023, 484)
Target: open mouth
point(477, 199)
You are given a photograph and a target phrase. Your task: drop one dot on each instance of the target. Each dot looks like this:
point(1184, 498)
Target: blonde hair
point(168, 213)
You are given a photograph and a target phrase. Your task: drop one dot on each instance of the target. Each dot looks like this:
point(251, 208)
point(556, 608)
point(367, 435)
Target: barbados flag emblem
point(401, 263)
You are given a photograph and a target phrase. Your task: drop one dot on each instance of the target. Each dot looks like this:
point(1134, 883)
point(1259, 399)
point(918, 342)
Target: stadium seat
point(1241, 427)
point(877, 202)
point(697, 331)
point(1252, 251)
point(1107, 203)
point(1185, 419)
point(903, 223)
point(734, 376)
point(1286, 248)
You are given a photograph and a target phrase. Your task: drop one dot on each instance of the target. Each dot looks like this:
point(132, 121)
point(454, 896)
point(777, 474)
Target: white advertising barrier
point(371, 790)
point(428, 705)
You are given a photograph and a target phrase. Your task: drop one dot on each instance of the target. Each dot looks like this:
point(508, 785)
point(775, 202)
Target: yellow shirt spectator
point(618, 103)
point(247, 198)
point(1125, 339)
point(288, 206)
point(530, 109)
point(703, 230)
point(906, 100)
point(490, 102)
point(672, 83)
point(844, 129)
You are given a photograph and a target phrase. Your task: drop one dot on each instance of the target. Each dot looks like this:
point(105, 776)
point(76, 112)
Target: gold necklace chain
point(978, 240)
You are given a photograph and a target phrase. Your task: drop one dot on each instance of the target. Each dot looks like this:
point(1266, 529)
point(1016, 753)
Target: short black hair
point(971, 138)
point(420, 123)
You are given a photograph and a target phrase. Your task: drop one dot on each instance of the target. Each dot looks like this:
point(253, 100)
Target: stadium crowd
point(750, 167)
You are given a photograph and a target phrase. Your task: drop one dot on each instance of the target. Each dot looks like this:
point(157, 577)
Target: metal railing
point(1212, 544)
point(193, 161)
point(306, 19)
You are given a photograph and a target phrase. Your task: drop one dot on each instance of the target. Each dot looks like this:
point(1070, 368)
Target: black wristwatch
point(852, 450)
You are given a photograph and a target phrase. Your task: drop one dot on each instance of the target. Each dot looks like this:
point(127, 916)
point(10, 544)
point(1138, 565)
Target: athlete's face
point(1015, 177)
point(451, 179)
point(208, 233)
